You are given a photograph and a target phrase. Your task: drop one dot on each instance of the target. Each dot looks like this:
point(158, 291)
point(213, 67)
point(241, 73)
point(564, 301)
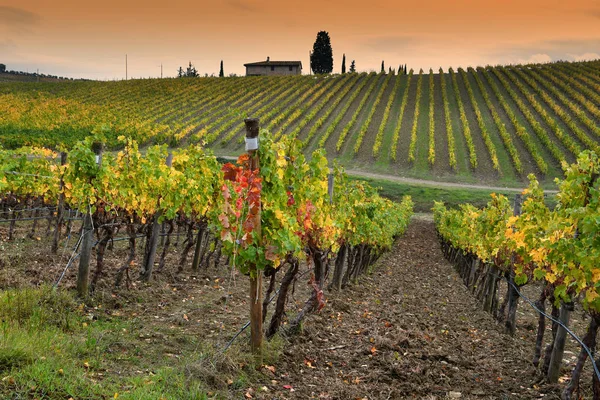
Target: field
point(375, 339)
point(132, 271)
point(493, 125)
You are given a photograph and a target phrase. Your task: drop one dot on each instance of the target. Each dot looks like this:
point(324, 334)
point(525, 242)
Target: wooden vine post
point(152, 242)
point(60, 209)
point(566, 309)
point(83, 273)
point(256, 319)
point(559, 343)
point(513, 297)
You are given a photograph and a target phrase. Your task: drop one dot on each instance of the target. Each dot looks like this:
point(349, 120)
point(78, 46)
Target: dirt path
point(414, 181)
point(408, 330)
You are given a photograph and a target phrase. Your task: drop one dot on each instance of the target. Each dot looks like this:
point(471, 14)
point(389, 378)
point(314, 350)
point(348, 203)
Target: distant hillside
point(494, 124)
point(18, 76)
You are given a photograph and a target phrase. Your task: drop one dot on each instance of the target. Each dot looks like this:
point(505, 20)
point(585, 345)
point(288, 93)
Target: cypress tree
point(344, 64)
point(382, 67)
point(321, 58)
point(221, 73)
point(352, 66)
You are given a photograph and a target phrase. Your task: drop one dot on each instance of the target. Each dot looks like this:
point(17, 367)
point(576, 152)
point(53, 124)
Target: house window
point(272, 68)
point(291, 68)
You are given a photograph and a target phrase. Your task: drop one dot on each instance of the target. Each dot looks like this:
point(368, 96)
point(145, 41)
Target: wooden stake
point(559, 343)
point(152, 242)
point(83, 273)
point(256, 320)
point(510, 325)
point(60, 210)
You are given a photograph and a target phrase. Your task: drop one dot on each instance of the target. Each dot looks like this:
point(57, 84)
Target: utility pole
point(125, 66)
point(161, 71)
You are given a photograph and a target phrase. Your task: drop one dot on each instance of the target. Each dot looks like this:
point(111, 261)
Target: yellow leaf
point(591, 295)
point(538, 255)
point(279, 215)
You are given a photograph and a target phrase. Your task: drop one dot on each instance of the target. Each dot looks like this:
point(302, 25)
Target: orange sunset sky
point(89, 39)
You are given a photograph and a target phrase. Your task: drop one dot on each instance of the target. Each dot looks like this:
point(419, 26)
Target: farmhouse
point(273, 68)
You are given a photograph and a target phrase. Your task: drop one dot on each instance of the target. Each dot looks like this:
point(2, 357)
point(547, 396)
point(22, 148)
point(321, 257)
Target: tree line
point(321, 58)
point(321, 61)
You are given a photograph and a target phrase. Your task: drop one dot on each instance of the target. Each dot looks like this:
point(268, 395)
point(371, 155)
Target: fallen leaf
point(270, 368)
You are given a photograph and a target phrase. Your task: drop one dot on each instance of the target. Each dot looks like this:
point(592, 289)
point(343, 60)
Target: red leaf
point(319, 293)
point(243, 159)
point(230, 172)
point(224, 220)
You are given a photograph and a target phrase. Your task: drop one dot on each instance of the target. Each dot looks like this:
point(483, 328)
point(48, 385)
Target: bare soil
point(407, 330)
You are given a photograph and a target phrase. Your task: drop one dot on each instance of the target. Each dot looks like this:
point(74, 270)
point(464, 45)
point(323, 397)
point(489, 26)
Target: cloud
point(245, 6)
point(584, 56)
point(7, 45)
point(595, 13)
point(17, 17)
point(390, 43)
point(546, 51)
point(538, 58)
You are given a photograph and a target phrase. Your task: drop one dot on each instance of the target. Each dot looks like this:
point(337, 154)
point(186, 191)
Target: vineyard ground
point(409, 329)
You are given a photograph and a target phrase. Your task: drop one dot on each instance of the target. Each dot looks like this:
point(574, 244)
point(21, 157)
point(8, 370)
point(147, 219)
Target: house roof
point(273, 63)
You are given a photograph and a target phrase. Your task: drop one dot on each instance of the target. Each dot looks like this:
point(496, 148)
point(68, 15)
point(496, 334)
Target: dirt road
point(409, 330)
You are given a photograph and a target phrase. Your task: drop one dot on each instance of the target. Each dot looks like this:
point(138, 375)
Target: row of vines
point(530, 244)
point(306, 211)
point(516, 119)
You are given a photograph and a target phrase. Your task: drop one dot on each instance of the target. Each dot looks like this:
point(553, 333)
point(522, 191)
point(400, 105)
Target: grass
point(423, 196)
point(53, 347)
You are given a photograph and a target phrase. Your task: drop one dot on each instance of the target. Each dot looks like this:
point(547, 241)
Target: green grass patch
point(423, 196)
point(53, 347)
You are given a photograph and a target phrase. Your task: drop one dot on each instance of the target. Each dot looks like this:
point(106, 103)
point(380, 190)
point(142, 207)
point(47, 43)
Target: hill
point(491, 125)
point(18, 76)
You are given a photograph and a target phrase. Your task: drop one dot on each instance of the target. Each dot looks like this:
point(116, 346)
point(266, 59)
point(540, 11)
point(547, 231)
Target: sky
point(89, 39)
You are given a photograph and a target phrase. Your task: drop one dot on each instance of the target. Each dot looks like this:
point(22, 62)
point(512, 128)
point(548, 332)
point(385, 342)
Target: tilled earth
point(408, 330)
